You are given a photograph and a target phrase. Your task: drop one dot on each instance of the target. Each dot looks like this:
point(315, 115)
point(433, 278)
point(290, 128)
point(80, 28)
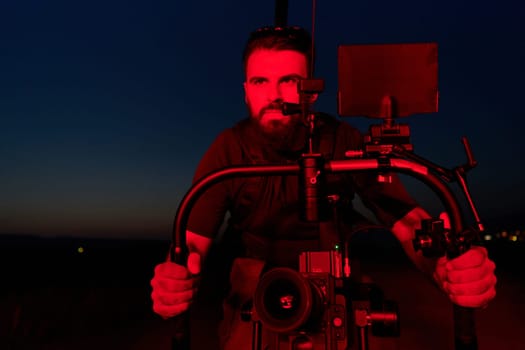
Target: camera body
point(304, 309)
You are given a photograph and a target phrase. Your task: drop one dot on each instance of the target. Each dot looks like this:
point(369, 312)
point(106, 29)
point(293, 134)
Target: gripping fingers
point(170, 311)
point(472, 294)
point(472, 288)
point(474, 301)
point(171, 285)
point(171, 304)
point(472, 274)
point(474, 257)
point(177, 298)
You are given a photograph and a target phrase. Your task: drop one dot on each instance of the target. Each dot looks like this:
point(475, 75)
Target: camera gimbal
point(432, 239)
point(387, 149)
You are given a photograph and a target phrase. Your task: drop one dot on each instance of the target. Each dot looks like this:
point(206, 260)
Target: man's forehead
point(266, 62)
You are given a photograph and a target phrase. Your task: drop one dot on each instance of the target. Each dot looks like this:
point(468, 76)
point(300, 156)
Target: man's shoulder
point(228, 134)
point(227, 141)
point(241, 126)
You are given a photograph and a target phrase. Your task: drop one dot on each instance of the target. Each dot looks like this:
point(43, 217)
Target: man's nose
point(274, 92)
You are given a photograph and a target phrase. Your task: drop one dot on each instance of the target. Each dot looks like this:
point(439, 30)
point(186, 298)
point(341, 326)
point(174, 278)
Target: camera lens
point(285, 300)
point(282, 299)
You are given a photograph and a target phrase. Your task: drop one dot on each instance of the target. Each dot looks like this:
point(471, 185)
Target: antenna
point(312, 65)
point(281, 20)
point(281, 13)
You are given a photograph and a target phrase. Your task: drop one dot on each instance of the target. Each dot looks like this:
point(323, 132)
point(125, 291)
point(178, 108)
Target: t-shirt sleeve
point(389, 201)
point(208, 212)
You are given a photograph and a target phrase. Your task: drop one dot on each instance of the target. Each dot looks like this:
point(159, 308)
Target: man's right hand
point(174, 286)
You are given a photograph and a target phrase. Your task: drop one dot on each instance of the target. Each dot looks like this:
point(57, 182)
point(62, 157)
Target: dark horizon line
point(76, 237)
point(491, 227)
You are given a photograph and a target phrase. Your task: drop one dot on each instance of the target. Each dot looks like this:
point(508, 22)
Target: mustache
point(286, 108)
point(273, 106)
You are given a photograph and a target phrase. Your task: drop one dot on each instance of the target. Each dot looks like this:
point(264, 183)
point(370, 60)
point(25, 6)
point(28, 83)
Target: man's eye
point(257, 81)
point(290, 80)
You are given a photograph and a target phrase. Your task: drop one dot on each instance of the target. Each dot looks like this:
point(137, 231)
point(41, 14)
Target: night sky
point(107, 106)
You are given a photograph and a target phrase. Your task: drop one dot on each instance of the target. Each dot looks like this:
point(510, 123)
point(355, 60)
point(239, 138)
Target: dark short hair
point(279, 38)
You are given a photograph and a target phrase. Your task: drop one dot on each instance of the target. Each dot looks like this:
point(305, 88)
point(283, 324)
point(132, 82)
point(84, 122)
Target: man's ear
point(245, 94)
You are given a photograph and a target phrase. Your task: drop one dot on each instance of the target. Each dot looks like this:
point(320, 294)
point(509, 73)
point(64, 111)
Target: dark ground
point(52, 297)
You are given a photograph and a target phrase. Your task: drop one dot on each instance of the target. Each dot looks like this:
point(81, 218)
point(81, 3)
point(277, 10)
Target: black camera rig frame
point(435, 240)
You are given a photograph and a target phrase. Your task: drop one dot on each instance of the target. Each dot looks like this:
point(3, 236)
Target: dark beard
point(277, 131)
point(284, 139)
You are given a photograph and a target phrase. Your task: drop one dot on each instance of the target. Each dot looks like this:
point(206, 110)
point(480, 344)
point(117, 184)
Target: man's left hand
point(469, 279)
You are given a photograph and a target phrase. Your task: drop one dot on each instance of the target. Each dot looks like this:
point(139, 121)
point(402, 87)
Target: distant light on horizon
point(80, 250)
point(517, 235)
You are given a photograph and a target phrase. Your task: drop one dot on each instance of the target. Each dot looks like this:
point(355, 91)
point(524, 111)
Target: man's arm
point(404, 230)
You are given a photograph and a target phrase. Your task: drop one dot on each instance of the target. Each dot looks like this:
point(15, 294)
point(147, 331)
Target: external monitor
point(407, 74)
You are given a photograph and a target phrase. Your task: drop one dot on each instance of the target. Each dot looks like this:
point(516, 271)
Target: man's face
point(271, 78)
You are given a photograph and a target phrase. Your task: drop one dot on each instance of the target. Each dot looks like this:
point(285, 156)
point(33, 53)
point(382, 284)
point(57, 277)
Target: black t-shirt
point(266, 210)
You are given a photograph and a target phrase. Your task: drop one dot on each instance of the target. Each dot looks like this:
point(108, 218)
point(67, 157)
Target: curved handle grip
point(181, 336)
point(464, 328)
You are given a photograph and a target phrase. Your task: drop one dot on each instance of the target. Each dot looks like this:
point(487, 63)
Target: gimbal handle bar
point(465, 337)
